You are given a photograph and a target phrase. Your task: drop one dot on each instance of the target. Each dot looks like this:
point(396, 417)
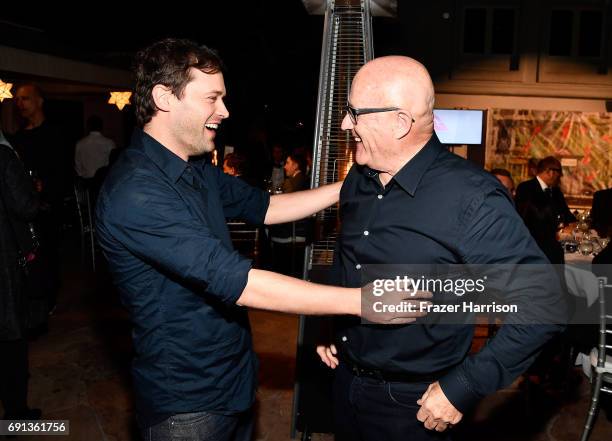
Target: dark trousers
point(14, 377)
point(366, 409)
point(202, 426)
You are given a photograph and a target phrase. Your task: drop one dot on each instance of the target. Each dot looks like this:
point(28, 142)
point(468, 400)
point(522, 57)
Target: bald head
point(391, 113)
point(398, 81)
point(29, 102)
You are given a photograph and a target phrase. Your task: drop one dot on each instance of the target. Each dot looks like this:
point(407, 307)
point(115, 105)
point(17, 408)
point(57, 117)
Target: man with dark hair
point(161, 224)
point(295, 173)
point(543, 208)
point(505, 177)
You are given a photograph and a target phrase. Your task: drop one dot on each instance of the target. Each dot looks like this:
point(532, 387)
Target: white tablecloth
point(581, 282)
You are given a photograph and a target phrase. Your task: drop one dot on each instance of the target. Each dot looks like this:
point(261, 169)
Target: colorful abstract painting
point(581, 141)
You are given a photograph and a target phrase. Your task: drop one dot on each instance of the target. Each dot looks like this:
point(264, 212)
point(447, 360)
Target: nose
point(222, 110)
point(347, 124)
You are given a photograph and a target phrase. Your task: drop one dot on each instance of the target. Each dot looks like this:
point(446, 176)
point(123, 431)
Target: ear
point(403, 125)
point(162, 97)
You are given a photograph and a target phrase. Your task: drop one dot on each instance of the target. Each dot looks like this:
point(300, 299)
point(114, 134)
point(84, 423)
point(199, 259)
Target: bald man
point(407, 200)
point(43, 149)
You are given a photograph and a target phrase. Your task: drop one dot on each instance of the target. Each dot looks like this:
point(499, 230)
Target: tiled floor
point(79, 372)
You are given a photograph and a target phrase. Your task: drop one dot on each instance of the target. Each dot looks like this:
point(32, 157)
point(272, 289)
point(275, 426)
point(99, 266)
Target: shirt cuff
point(236, 281)
point(456, 387)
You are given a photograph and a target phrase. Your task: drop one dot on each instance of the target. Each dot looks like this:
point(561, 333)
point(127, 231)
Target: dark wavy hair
point(300, 159)
point(236, 161)
point(168, 62)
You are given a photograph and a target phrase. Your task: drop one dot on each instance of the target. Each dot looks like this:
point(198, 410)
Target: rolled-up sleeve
point(152, 222)
point(241, 200)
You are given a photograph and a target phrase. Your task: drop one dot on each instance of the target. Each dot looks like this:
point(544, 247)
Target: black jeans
point(366, 409)
point(202, 426)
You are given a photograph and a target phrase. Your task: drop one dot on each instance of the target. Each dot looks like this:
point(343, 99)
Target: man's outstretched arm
point(276, 292)
point(290, 207)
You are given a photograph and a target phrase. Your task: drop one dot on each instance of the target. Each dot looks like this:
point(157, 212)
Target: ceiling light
point(120, 99)
point(5, 90)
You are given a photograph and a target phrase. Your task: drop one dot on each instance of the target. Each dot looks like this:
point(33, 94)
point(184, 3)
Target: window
point(474, 31)
point(502, 36)
point(575, 33)
point(589, 41)
point(489, 30)
point(561, 24)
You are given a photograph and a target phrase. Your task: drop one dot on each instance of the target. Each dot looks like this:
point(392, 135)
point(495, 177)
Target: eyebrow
point(216, 92)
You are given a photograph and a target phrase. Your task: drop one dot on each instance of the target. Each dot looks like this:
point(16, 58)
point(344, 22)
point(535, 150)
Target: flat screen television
point(458, 126)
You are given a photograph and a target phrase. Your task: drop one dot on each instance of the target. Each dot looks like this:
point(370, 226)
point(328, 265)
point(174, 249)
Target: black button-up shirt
point(161, 224)
point(438, 209)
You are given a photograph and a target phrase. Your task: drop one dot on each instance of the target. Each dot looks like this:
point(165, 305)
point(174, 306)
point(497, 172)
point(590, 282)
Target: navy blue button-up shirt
point(161, 224)
point(438, 209)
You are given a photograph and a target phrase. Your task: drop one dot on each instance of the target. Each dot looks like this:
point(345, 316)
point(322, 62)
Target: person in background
point(234, 164)
point(543, 208)
point(288, 239)
point(601, 212)
point(42, 148)
point(278, 163)
point(92, 151)
point(295, 173)
point(19, 205)
point(505, 177)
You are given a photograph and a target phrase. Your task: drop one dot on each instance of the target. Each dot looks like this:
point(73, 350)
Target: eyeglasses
point(353, 112)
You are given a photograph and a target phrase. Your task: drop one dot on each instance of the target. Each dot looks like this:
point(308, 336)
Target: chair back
point(604, 345)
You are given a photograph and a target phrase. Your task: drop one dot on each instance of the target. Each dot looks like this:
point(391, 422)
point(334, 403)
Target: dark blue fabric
point(202, 426)
point(366, 409)
point(438, 209)
point(161, 225)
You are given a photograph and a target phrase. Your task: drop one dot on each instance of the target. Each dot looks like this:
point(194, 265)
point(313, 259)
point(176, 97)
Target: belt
point(392, 377)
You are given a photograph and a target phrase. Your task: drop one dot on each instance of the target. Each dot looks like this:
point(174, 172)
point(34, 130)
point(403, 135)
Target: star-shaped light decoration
point(120, 99)
point(5, 90)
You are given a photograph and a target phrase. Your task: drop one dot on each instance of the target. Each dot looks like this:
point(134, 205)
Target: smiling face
point(195, 117)
point(373, 132)
point(387, 139)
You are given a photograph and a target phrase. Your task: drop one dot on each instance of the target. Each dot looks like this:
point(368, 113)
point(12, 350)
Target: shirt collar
point(542, 183)
point(168, 162)
point(409, 176)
